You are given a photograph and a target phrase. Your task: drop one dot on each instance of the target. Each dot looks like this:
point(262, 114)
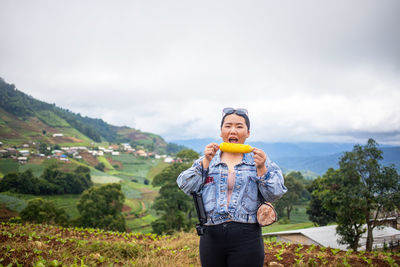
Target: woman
point(231, 183)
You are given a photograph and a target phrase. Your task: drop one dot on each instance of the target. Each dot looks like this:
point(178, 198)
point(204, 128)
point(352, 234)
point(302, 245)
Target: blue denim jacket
point(244, 200)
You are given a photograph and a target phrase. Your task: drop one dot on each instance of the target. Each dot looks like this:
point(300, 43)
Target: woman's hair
point(246, 119)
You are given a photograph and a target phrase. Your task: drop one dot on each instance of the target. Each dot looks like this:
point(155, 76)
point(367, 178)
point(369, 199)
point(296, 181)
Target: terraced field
point(132, 173)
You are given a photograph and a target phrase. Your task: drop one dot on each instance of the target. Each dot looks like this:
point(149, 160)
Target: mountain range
point(308, 157)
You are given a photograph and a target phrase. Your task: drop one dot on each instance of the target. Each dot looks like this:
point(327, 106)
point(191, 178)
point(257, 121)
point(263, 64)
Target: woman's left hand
point(259, 158)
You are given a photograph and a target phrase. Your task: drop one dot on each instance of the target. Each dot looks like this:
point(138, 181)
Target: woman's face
point(234, 129)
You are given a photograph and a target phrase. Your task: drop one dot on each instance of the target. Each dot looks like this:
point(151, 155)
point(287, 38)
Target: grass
point(276, 227)
point(298, 220)
point(134, 167)
point(37, 170)
point(141, 225)
point(8, 165)
point(131, 190)
point(99, 177)
point(299, 215)
point(156, 170)
point(51, 119)
point(18, 202)
point(135, 204)
point(105, 162)
point(12, 202)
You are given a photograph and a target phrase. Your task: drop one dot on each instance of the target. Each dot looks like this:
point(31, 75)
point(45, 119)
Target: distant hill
point(23, 119)
point(314, 157)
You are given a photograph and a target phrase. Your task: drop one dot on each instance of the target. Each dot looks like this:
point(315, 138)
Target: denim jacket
point(244, 200)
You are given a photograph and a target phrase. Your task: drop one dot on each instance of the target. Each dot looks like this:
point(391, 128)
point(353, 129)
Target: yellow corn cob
point(235, 148)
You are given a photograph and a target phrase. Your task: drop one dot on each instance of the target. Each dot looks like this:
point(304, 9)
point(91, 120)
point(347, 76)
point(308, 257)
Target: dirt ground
point(89, 158)
point(6, 214)
point(293, 255)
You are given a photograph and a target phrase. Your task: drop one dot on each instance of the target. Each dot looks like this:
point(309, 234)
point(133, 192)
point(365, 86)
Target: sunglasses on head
point(239, 111)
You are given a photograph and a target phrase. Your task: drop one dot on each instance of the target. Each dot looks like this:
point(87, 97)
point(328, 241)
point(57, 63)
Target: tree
point(175, 207)
point(172, 148)
point(359, 192)
point(43, 149)
point(317, 213)
point(55, 181)
point(24, 183)
point(44, 211)
point(187, 155)
point(100, 166)
point(375, 188)
point(101, 207)
point(9, 181)
point(296, 188)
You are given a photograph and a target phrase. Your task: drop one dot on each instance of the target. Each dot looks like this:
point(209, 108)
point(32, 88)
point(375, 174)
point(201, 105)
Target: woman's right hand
point(209, 153)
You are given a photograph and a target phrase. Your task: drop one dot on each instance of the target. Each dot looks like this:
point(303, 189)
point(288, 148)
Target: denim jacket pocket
point(210, 197)
point(250, 197)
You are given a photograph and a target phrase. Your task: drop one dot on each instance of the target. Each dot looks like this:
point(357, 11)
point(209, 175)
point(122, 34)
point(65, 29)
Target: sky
point(311, 70)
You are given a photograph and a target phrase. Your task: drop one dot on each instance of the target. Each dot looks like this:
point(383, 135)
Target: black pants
point(232, 244)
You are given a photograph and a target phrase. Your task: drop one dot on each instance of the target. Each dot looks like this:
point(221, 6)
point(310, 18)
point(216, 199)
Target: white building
point(22, 160)
point(168, 160)
point(24, 152)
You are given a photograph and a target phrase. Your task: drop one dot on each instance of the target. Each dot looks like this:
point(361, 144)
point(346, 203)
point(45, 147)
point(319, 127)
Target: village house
point(24, 153)
point(141, 153)
point(168, 160)
point(126, 146)
point(57, 152)
point(114, 147)
point(96, 152)
point(3, 153)
point(64, 158)
point(22, 160)
point(388, 218)
point(58, 135)
point(11, 151)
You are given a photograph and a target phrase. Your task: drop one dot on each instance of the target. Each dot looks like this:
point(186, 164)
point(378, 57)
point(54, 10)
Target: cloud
point(309, 70)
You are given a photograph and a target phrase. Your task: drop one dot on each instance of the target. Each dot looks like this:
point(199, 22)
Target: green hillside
point(24, 119)
point(132, 174)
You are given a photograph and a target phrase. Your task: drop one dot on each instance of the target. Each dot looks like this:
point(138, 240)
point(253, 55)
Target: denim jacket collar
point(247, 159)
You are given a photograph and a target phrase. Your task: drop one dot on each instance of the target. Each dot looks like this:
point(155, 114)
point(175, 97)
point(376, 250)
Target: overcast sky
point(306, 70)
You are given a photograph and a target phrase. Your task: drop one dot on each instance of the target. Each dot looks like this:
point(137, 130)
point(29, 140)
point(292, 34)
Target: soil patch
point(126, 208)
point(6, 214)
point(112, 162)
point(89, 158)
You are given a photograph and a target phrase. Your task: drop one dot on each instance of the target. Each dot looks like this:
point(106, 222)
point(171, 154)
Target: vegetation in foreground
point(41, 245)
